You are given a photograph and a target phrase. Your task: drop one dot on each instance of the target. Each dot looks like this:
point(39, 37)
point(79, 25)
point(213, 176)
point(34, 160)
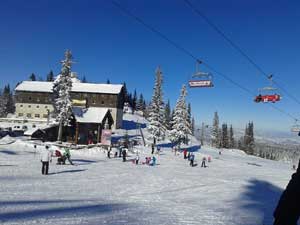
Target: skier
point(192, 157)
point(124, 154)
point(184, 153)
point(158, 150)
point(46, 156)
point(152, 151)
point(209, 159)
point(108, 152)
point(137, 159)
point(153, 161)
point(203, 162)
point(67, 156)
point(287, 211)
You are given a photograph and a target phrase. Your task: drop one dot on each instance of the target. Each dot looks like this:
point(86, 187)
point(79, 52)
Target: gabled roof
point(43, 86)
point(90, 115)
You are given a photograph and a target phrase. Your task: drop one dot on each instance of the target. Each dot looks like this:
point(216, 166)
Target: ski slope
point(235, 189)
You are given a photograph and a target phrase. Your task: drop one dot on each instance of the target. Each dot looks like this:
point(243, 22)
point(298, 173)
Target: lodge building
point(35, 100)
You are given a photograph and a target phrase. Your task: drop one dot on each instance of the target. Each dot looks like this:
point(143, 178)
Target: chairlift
point(201, 79)
point(296, 127)
point(268, 94)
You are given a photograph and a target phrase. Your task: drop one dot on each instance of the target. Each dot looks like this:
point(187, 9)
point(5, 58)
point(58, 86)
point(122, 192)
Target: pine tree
point(225, 139)
point(134, 101)
point(32, 77)
point(50, 76)
point(193, 126)
point(84, 80)
point(2, 104)
point(168, 115)
point(140, 103)
point(231, 138)
point(215, 131)
point(61, 88)
point(180, 127)
point(249, 139)
point(156, 114)
point(108, 81)
point(189, 116)
point(8, 100)
point(125, 93)
point(202, 134)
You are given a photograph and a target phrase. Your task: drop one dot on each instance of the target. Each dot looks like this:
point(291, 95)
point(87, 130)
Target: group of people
point(46, 158)
point(190, 156)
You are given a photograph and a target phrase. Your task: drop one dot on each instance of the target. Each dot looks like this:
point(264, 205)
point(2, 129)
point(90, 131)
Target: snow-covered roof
point(43, 86)
point(90, 115)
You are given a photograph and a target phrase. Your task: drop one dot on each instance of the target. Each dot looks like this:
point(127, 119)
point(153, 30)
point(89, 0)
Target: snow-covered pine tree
point(180, 127)
point(189, 116)
point(156, 113)
point(202, 134)
point(168, 116)
point(231, 138)
point(61, 88)
point(215, 131)
point(249, 139)
point(225, 139)
point(50, 76)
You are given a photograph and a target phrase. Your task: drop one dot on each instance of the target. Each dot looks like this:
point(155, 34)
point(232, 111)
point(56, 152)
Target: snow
point(234, 189)
point(43, 86)
point(90, 115)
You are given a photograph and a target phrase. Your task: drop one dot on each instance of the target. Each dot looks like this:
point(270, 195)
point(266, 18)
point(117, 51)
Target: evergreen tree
point(8, 100)
point(231, 138)
point(125, 92)
point(193, 126)
point(156, 114)
point(108, 81)
point(225, 139)
point(249, 139)
point(2, 104)
point(32, 77)
point(202, 134)
point(134, 101)
point(168, 115)
point(84, 80)
point(50, 76)
point(61, 88)
point(215, 131)
point(180, 127)
point(189, 116)
point(140, 103)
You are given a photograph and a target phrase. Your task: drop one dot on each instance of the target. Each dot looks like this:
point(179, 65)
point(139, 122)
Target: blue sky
point(108, 44)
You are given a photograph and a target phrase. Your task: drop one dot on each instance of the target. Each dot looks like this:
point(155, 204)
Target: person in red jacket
point(184, 153)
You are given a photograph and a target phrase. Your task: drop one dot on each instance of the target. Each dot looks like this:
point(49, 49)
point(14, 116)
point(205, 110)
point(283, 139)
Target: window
point(28, 115)
point(45, 116)
point(29, 106)
point(37, 115)
point(94, 101)
point(102, 102)
point(20, 114)
point(38, 106)
point(38, 100)
point(29, 98)
point(21, 105)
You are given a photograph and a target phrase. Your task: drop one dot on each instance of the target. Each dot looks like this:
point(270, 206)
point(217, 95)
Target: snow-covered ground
point(233, 189)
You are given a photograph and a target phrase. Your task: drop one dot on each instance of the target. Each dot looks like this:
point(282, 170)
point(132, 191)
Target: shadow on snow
point(67, 171)
point(8, 152)
point(261, 197)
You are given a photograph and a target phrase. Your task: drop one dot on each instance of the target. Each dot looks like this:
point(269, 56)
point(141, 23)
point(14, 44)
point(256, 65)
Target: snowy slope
point(235, 189)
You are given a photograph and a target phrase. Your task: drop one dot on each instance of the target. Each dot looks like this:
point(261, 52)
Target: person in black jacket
point(287, 211)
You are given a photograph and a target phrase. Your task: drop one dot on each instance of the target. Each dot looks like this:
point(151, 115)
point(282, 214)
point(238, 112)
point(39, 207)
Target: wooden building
point(35, 100)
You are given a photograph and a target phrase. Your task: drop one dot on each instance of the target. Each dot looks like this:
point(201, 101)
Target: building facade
point(35, 99)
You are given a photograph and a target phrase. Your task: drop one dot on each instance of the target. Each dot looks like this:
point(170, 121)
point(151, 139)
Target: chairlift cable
point(236, 47)
point(188, 53)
